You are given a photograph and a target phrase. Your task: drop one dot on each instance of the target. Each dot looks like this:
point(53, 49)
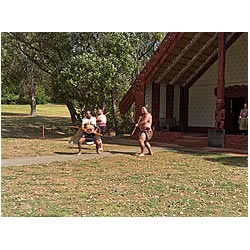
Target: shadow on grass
point(65, 153)
point(120, 152)
point(232, 161)
point(112, 141)
point(14, 125)
point(14, 114)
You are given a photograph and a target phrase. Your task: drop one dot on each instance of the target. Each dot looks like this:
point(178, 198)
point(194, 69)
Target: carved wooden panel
point(235, 91)
point(150, 68)
point(155, 104)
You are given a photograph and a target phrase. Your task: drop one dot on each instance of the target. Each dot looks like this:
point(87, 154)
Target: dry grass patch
point(13, 148)
point(167, 184)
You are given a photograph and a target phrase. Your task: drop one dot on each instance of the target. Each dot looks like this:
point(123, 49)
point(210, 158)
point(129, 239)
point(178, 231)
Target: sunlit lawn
point(167, 184)
point(172, 183)
point(44, 109)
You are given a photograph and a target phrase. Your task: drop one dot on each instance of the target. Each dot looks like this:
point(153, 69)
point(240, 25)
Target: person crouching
point(88, 135)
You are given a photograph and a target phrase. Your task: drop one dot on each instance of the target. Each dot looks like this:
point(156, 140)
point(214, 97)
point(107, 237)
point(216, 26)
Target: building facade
point(187, 79)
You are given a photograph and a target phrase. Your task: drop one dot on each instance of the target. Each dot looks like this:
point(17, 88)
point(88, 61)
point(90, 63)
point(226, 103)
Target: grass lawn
point(41, 110)
point(172, 183)
point(167, 184)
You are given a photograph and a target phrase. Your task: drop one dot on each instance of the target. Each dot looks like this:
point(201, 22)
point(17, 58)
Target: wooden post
point(156, 104)
point(42, 131)
point(139, 100)
point(183, 118)
point(169, 100)
point(221, 65)
point(220, 102)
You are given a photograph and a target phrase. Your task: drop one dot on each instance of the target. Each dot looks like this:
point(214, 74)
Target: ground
point(171, 183)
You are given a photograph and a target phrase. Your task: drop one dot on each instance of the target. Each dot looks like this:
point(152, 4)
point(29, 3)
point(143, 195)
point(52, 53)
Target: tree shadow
point(14, 114)
point(27, 127)
point(232, 161)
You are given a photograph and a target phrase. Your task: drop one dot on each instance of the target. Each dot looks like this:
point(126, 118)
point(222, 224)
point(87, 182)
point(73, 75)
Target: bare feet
point(100, 149)
point(139, 154)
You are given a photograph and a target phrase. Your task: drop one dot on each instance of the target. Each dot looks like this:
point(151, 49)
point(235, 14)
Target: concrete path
point(157, 147)
point(69, 157)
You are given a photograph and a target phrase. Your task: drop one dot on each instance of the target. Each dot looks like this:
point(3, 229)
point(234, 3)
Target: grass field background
point(41, 110)
point(174, 183)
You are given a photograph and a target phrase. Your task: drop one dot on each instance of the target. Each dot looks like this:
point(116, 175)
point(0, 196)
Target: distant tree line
point(83, 70)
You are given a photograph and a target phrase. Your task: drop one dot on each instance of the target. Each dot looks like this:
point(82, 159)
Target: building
point(184, 79)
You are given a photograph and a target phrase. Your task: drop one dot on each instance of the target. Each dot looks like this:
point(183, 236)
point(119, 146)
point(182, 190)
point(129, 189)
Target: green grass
point(16, 122)
point(41, 110)
point(173, 183)
point(208, 185)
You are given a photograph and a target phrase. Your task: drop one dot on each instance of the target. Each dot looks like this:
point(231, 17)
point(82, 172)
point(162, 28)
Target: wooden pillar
point(139, 96)
point(184, 108)
point(220, 100)
point(155, 104)
point(169, 100)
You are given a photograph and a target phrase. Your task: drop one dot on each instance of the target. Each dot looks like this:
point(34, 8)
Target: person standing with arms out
point(146, 132)
point(102, 124)
point(243, 120)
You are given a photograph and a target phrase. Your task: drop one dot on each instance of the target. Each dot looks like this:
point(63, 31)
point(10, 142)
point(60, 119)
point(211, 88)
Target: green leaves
point(89, 70)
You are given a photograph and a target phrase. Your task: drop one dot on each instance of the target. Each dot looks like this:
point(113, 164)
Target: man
point(102, 121)
point(102, 124)
point(89, 119)
point(146, 133)
point(89, 136)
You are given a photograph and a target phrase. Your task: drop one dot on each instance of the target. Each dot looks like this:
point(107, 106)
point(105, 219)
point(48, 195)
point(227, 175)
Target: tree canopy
point(84, 70)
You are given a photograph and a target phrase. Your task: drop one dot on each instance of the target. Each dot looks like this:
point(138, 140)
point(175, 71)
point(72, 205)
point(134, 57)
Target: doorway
point(233, 108)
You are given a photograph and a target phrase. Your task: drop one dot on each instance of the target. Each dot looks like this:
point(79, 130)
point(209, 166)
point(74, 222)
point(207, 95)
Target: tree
point(87, 70)
point(20, 76)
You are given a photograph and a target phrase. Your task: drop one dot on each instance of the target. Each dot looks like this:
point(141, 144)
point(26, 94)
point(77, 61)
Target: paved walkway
point(70, 157)
point(157, 147)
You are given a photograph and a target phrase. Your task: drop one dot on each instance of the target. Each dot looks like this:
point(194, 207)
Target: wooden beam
point(194, 59)
point(179, 56)
point(210, 60)
point(150, 68)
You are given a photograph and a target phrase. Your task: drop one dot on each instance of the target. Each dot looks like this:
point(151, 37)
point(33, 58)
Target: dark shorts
point(89, 137)
point(102, 129)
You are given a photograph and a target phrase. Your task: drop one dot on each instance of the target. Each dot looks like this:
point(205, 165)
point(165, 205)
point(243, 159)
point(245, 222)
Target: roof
point(181, 59)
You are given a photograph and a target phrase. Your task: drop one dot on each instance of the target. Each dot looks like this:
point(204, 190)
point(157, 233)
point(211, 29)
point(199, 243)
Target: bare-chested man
point(102, 124)
point(146, 132)
point(101, 121)
point(89, 136)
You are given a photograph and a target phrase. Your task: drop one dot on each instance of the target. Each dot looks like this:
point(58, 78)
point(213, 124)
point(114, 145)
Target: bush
point(9, 99)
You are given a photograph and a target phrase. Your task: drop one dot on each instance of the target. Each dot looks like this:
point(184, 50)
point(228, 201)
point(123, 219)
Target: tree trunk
point(75, 117)
point(115, 115)
point(32, 97)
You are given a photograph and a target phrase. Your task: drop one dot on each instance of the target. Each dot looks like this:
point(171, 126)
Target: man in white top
point(89, 119)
